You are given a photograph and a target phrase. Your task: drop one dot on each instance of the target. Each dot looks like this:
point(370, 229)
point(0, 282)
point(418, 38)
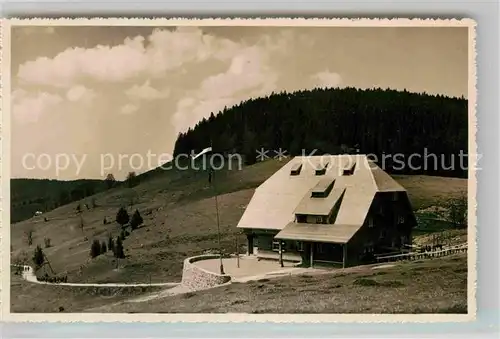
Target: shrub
point(136, 220)
point(122, 216)
point(95, 249)
point(47, 242)
point(365, 282)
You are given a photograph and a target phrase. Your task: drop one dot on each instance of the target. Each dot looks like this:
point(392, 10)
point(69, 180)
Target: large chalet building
point(343, 210)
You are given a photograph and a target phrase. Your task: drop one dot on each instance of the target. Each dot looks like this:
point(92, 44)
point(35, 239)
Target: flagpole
point(217, 216)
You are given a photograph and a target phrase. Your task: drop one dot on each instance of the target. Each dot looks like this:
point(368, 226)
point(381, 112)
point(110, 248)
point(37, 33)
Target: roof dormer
point(322, 170)
point(323, 188)
point(349, 169)
point(295, 170)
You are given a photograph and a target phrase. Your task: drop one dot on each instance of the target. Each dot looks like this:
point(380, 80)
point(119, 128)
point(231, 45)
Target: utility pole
point(217, 214)
point(237, 252)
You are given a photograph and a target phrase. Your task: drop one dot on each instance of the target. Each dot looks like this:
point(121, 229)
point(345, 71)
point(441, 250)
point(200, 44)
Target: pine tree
point(104, 248)
point(111, 244)
point(110, 180)
point(136, 220)
point(38, 257)
point(119, 248)
point(122, 216)
point(95, 249)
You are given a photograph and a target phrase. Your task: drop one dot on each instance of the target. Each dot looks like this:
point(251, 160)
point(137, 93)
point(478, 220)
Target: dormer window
point(322, 188)
point(296, 169)
point(349, 169)
point(321, 170)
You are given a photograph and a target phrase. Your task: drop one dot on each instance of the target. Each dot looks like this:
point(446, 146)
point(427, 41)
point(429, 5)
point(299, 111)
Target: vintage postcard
point(285, 170)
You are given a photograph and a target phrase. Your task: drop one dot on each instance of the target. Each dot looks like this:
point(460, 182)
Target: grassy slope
point(73, 299)
point(430, 286)
point(179, 220)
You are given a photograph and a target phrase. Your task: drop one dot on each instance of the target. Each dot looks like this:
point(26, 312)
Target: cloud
point(80, 93)
point(327, 79)
point(247, 75)
point(28, 108)
point(129, 109)
point(146, 92)
point(166, 50)
point(175, 77)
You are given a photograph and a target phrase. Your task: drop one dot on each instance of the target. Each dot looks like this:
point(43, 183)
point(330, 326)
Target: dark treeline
point(31, 195)
point(333, 121)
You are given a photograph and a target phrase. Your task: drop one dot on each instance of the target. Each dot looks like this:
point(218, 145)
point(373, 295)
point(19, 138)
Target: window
point(370, 222)
point(382, 234)
point(369, 247)
point(395, 196)
point(300, 246)
point(401, 219)
point(320, 248)
point(276, 246)
point(319, 219)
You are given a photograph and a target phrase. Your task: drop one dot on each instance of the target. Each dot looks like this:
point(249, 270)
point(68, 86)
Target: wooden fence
point(424, 255)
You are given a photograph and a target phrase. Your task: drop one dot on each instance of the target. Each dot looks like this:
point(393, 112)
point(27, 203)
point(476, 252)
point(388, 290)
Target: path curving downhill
point(28, 274)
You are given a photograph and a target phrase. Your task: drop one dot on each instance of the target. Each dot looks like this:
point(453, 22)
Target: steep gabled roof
point(275, 202)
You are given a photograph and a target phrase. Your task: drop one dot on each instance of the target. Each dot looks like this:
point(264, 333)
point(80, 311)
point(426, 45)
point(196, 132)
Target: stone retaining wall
point(197, 278)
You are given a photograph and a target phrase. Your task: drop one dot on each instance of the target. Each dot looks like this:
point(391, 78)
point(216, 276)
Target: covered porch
point(322, 243)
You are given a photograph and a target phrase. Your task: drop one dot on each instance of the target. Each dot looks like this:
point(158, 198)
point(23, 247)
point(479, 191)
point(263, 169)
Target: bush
point(47, 242)
point(136, 220)
point(122, 216)
point(365, 282)
point(95, 249)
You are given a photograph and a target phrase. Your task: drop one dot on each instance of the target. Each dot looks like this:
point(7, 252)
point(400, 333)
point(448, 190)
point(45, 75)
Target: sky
point(92, 100)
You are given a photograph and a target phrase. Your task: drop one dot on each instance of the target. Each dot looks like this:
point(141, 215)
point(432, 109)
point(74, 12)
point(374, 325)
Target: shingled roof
point(289, 191)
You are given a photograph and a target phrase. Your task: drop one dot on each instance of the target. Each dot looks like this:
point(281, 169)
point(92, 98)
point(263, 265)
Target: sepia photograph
point(251, 167)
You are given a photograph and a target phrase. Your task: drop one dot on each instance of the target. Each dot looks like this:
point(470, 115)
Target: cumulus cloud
point(247, 75)
point(147, 92)
point(177, 77)
point(166, 50)
point(29, 107)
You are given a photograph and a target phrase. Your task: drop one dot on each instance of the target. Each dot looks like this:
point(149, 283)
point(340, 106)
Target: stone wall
point(197, 278)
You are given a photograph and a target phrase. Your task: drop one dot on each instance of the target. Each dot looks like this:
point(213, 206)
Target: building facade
point(340, 210)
